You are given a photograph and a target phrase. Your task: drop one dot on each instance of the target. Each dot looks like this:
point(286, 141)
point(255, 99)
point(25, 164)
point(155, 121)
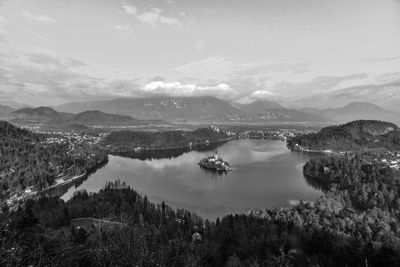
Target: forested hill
point(7, 130)
point(48, 116)
point(27, 162)
point(355, 135)
point(129, 140)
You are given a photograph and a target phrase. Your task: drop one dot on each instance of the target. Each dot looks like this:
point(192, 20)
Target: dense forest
point(43, 233)
point(122, 141)
point(369, 185)
point(27, 161)
point(356, 135)
point(167, 153)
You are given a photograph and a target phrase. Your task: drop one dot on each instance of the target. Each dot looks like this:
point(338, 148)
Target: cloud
point(181, 89)
point(38, 17)
point(129, 9)
point(383, 59)
point(41, 76)
point(246, 77)
point(200, 45)
point(3, 32)
point(157, 79)
point(153, 17)
point(257, 95)
point(123, 31)
point(291, 83)
point(121, 28)
point(45, 78)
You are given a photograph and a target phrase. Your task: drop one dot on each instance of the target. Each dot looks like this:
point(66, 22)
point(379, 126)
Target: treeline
point(25, 161)
point(128, 141)
point(356, 135)
point(156, 235)
point(149, 234)
point(167, 153)
point(370, 185)
point(8, 130)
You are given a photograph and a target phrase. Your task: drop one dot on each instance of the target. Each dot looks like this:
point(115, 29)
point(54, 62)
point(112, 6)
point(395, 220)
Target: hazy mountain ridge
point(173, 109)
point(195, 109)
point(14, 105)
point(5, 110)
point(384, 94)
point(95, 117)
point(201, 110)
point(357, 111)
point(289, 115)
point(37, 115)
point(47, 115)
point(259, 106)
point(265, 110)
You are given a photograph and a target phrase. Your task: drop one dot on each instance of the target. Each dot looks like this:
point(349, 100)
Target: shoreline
point(188, 147)
point(14, 200)
point(320, 151)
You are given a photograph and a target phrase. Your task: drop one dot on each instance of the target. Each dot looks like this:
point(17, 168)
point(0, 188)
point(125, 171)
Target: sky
point(300, 53)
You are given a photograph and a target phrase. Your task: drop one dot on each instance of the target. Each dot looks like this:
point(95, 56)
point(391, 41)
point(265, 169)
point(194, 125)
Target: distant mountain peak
point(97, 117)
point(360, 105)
point(49, 116)
point(358, 111)
point(38, 110)
point(5, 110)
point(167, 108)
point(259, 106)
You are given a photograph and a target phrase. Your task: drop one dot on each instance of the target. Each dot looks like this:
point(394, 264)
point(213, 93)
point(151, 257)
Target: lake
point(265, 174)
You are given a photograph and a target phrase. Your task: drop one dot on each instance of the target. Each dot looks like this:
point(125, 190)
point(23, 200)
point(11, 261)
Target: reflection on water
point(317, 184)
point(265, 174)
point(63, 189)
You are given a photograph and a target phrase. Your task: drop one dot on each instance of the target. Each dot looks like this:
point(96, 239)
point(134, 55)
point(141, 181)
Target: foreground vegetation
point(156, 235)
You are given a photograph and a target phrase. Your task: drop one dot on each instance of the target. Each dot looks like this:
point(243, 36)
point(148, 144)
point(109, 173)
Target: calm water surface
point(265, 174)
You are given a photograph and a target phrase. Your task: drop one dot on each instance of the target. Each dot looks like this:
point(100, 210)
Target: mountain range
point(259, 106)
point(13, 104)
point(196, 110)
point(49, 116)
point(211, 109)
point(264, 110)
point(159, 110)
point(356, 111)
point(172, 109)
point(5, 110)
